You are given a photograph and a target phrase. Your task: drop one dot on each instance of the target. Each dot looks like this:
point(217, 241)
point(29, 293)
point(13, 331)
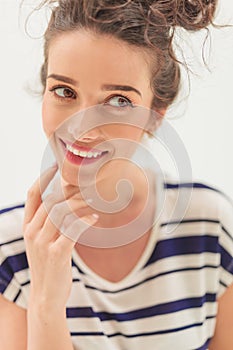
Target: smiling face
point(86, 70)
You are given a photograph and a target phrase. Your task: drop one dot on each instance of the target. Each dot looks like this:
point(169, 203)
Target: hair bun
point(189, 14)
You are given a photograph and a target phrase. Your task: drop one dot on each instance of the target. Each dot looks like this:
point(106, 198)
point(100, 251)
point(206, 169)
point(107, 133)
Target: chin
point(69, 176)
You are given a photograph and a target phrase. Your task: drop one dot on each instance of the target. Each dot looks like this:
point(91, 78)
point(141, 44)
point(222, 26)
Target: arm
point(49, 257)
point(13, 326)
point(223, 337)
point(47, 329)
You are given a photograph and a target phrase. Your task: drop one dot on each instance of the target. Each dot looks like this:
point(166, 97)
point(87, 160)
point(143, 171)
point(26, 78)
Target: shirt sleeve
point(14, 276)
point(9, 286)
point(225, 243)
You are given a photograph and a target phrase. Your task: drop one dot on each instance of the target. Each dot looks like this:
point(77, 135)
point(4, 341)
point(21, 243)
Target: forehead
point(79, 53)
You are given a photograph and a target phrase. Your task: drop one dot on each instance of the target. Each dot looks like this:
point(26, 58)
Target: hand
point(48, 251)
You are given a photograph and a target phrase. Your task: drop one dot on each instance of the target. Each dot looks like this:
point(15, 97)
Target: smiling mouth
point(84, 154)
point(78, 156)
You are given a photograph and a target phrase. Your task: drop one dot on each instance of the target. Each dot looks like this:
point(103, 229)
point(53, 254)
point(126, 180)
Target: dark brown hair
point(146, 24)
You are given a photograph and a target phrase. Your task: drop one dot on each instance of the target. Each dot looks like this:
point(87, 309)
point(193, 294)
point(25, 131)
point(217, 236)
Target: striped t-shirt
point(168, 301)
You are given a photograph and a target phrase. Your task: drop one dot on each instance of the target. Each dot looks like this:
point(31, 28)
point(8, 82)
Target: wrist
point(47, 328)
point(46, 309)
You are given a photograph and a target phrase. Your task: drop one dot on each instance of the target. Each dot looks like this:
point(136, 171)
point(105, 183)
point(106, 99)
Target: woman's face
point(87, 70)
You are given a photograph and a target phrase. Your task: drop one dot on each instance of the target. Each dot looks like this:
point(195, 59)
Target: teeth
point(83, 154)
point(76, 152)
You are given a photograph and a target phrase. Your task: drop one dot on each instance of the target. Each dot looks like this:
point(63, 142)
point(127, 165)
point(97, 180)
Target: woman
point(156, 289)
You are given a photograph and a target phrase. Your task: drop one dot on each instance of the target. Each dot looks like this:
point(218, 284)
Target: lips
point(82, 148)
point(81, 155)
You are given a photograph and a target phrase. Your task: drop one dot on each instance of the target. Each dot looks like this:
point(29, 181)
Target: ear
point(155, 120)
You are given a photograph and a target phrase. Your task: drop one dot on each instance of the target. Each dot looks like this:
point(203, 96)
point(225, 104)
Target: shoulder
point(200, 199)
point(11, 220)
point(195, 207)
point(11, 233)
point(14, 272)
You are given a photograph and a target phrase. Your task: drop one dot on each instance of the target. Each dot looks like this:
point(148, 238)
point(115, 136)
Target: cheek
point(47, 120)
point(52, 116)
point(124, 132)
point(134, 132)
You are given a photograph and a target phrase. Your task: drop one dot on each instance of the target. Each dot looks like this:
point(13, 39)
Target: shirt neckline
point(104, 283)
point(101, 281)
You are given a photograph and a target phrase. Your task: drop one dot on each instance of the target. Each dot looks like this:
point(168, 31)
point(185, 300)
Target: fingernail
point(95, 216)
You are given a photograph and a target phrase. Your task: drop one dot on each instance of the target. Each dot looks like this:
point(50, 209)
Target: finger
point(55, 208)
point(66, 191)
point(58, 194)
point(34, 194)
point(46, 177)
point(72, 232)
point(57, 215)
point(57, 187)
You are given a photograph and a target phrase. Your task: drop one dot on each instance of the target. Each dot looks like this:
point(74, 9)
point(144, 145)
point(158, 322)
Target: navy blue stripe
point(3, 283)
point(25, 283)
point(76, 280)
point(77, 267)
point(139, 283)
point(10, 266)
point(183, 246)
point(13, 241)
point(152, 278)
point(228, 234)
point(146, 334)
point(16, 262)
point(18, 294)
point(185, 221)
point(161, 309)
point(190, 185)
point(226, 260)
point(5, 210)
point(87, 334)
point(6, 275)
point(196, 185)
point(223, 284)
point(167, 331)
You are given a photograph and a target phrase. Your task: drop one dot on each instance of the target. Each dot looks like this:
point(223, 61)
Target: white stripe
point(162, 322)
point(181, 262)
point(12, 290)
point(23, 276)
point(164, 289)
point(14, 248)
point(187, 229)
point(11, 225)
point(182, 340)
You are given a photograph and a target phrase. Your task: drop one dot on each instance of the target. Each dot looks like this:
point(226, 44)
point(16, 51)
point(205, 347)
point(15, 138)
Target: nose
point(86, 125)
point(89, 136)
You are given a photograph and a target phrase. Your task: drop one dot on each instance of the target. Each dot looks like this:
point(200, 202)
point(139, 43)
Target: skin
point(94, 69)
point(49, 253)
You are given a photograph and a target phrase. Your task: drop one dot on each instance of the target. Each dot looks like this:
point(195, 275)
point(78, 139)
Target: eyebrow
point(63, 78)
point(105, 87)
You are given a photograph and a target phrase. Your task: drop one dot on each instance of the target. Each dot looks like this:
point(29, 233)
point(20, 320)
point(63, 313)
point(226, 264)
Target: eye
point(119, 101)
point(63, 92)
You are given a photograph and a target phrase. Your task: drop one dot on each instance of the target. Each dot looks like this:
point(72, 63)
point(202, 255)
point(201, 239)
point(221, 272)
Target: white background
point(204, 121)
